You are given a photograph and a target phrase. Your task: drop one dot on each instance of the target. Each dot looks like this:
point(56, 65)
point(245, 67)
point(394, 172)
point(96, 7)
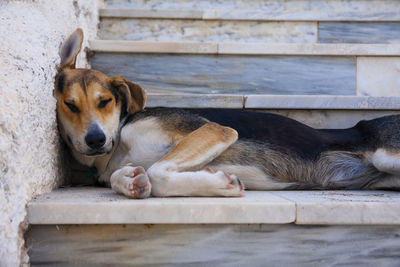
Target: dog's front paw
point(132, 182)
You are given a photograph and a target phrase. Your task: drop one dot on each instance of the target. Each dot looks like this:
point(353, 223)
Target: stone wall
point(31, 33)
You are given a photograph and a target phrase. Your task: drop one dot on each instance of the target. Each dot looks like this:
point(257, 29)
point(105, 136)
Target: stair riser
point(331, 119)
point(213, 245)
point(361, 10)
point(174, 30)
point(207, 31)
point(362, 33)
point(233, 74)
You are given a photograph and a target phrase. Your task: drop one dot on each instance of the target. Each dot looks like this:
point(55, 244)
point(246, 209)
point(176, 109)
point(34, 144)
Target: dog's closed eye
point(104, 103)
point(72, 107)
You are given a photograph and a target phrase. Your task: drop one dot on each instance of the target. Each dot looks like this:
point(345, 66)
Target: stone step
point(301, 10)
point(235, 48)
point(153, 26)
point(213, 245)
point(91, 205)
point(325, 112)
point(321, 102)
point(95, 226)
point(289, 69)
point(166, 30)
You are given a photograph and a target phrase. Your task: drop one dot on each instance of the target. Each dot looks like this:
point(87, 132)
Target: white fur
point(385, 161)
point(254, 178)
point(142, 143)
point(167, 181)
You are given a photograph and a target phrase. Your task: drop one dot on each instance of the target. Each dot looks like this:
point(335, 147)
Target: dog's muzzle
point(95, 140)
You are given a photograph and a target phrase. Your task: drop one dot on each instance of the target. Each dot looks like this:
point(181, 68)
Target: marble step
point(85, 226)
point(225, 245)
point(237, 48)
point(321, 102)
point(341, 73)
point(228, 74)
point(300, 10)
point(189, 30)
point(153, 26)
point(325, 112)
point(91, 205)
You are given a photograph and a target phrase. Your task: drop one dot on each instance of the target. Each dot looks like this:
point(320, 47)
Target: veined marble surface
point(378, 76)
point(362, 10)
point(207, 31)
point(322, 102)
point(91, 205)
point(364, 32)
point(85, 205)
point(209, 74)
point(243, 48)
point(345, 207)
point(214, 245)
point(332, 119)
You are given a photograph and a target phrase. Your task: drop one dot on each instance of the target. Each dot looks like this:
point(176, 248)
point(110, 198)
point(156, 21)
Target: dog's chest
point(143, 143)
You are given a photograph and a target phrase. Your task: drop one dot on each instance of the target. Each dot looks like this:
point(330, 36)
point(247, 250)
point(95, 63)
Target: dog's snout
point(95, 138)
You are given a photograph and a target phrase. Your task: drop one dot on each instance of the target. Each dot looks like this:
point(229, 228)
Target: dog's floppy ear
point(134, 94)
point(70, 49)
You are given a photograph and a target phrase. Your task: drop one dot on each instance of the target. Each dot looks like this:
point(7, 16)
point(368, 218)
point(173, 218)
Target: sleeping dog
point(172, 152)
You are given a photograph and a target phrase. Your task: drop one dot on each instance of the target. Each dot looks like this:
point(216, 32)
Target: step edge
point(301, 207)
point(213, 14)
point(323, 102)
point(229, 48)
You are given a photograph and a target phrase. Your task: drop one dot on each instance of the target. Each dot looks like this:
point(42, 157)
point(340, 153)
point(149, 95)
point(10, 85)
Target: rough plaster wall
point(30, 36)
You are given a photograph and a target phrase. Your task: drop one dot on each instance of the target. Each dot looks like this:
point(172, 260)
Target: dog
point(174, 152)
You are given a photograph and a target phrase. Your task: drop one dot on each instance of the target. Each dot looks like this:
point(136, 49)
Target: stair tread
point(248, 14)
point(90, 205)
point(274, 101)
point(238, 48)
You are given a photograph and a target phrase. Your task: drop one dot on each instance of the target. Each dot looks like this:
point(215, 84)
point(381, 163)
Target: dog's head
point(91, 105)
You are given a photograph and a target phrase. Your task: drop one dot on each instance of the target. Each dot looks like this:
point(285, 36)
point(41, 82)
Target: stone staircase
point(325, 63)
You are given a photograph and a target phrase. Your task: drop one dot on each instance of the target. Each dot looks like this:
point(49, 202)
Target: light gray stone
point(345, 207)
point(150, 13)
point(104, 206)
point(332, 119)
point(353, 32)
point(208, 74)
point(153, 47)
point(177, 30)
point(195, 101)
point(309, 10)
point(310, 49)
point(242, 48)
point(89, 205)
point(321, 102)
point(214, 245)
point(378, 76)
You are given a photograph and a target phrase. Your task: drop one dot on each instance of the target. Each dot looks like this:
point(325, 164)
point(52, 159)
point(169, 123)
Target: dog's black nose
point(95, 138)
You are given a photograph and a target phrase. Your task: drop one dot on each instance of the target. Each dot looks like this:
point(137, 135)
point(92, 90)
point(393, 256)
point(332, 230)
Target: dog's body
point(189, 153)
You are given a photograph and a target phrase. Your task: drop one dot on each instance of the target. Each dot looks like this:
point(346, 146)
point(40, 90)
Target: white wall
point(31, 33)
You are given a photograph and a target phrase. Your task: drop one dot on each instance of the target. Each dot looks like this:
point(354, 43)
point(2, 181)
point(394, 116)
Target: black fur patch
point(287, 135)
point(60, 82)
point(171, 118)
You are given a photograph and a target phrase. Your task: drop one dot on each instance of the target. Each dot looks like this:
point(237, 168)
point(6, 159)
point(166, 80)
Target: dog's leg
point(177, 173)
point(132, 182)
point(386, 161)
